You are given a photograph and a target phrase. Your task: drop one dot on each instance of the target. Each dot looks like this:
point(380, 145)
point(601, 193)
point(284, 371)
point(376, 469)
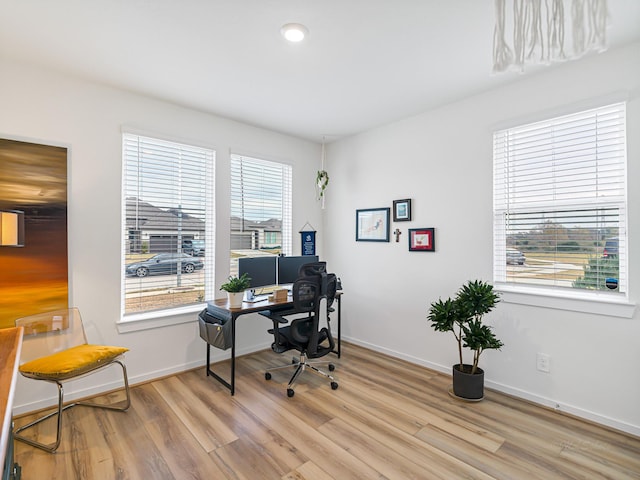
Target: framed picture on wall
point(372, 225)
point(422, 240)
point(402, 210)
point(34, 196)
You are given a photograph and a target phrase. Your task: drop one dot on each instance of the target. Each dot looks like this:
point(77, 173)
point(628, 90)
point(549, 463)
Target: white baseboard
point(566, 408)
point(403, 356)
point(515, 392)
point(71, 393)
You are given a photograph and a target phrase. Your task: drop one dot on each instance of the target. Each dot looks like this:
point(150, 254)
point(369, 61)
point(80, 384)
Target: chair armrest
point(277, 318)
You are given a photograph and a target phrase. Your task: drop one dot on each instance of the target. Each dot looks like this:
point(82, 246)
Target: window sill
point(599, 304)
point(158, 319)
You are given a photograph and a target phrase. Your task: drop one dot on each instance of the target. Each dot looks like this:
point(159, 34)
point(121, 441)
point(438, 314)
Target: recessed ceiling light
point(294, 32)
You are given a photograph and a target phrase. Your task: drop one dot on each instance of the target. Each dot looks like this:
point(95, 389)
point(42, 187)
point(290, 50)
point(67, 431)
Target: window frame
point(180, 313)
point(286, 205)
point(573, 299)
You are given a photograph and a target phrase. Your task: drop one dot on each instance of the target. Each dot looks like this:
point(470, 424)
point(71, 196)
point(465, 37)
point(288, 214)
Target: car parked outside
point(515, 257)
point(164, 264)
point(610, 248)
point(193, 247)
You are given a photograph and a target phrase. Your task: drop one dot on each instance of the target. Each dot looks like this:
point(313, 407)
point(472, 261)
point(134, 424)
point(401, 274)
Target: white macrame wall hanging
point(539, 31)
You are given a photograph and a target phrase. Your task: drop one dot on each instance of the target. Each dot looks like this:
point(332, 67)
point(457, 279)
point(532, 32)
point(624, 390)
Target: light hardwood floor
point(388, 420)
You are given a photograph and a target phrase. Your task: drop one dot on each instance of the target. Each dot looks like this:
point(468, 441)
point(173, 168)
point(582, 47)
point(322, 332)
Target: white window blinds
point(260, 208)
point(560, 202)
point(168, 224)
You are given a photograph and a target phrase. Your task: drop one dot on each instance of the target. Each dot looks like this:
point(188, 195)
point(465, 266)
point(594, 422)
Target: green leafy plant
point(446, 317)
point(236, 284)
point(478, 338)
point(462, 316)
point(322, 180)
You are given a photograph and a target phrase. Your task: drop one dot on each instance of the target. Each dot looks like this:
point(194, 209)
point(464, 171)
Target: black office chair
point(310, 291)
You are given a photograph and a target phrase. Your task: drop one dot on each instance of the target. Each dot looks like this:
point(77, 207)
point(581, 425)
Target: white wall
point(44, 107)
point(442, 159)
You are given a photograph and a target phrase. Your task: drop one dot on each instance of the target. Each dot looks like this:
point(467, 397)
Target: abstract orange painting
point(34, 277)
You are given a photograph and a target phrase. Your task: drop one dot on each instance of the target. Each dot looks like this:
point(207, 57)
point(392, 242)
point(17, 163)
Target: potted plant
point(235, 287)
point(462, 316)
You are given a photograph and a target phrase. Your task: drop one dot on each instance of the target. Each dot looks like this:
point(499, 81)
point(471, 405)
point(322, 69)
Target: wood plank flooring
point(388, 420)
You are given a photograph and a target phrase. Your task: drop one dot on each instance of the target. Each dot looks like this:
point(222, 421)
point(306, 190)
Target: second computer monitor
point(288, 267)
point(261, 270)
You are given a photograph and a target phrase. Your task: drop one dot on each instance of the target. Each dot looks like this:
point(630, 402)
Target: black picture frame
point(372, 224)
point(402, 210)
point(422, 240)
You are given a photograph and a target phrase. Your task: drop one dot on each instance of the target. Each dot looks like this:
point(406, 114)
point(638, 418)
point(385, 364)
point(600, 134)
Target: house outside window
point(560, 204)
point(260, 208)
point(168, 225)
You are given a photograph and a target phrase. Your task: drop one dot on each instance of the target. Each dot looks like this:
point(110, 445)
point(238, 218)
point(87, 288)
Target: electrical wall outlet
point(543, 362)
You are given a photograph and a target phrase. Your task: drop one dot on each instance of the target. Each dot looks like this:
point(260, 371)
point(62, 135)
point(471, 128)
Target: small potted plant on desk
point(462, 316)
point(235, 287)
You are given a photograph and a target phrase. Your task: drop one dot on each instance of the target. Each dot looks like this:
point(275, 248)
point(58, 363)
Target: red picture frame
point(422, 240)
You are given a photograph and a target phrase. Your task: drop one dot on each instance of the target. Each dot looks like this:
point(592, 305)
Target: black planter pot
point(466, 385)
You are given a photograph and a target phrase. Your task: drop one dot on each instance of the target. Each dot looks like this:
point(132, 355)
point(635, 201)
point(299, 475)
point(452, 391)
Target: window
point(260, 208)
point(167, 226)
point(272, 238)
point(560, 203)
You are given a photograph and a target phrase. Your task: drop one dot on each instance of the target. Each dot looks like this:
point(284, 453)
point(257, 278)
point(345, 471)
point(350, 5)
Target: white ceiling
point(365, 63)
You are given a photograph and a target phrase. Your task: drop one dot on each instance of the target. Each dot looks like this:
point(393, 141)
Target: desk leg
point(337, 349)
point(339, 322)
point(208, 368)
point(231, 386)
point(233, 355)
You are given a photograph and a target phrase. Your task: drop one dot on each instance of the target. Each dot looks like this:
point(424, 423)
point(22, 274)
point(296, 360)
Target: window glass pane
point(560, 202)
point(168, 224)
point(260, 208)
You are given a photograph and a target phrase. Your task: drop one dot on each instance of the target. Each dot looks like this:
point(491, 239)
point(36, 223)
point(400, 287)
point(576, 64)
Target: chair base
point(52, 447)
point(301, 365)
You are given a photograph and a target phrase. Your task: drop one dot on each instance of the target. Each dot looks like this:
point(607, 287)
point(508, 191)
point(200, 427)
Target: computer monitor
point(288, 267)
point(261, 270)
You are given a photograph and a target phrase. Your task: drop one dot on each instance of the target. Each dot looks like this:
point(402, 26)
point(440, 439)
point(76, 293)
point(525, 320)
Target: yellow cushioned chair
point(55, 349)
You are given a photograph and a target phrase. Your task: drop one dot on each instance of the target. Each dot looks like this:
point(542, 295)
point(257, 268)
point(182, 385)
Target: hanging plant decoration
point(322, 180)
point(322, 177)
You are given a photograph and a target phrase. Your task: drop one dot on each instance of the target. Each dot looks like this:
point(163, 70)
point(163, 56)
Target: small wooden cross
point(397, 233)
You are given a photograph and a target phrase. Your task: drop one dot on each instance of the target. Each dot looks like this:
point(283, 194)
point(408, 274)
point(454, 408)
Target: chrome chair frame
point(301, 364)
point(52, 447)
point(121, 406)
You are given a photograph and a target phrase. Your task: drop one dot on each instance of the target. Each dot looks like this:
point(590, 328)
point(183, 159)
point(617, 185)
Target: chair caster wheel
point(332, 367)
point(267, 376)
point(334, 385)
point(294, 360)
point(290, 392)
